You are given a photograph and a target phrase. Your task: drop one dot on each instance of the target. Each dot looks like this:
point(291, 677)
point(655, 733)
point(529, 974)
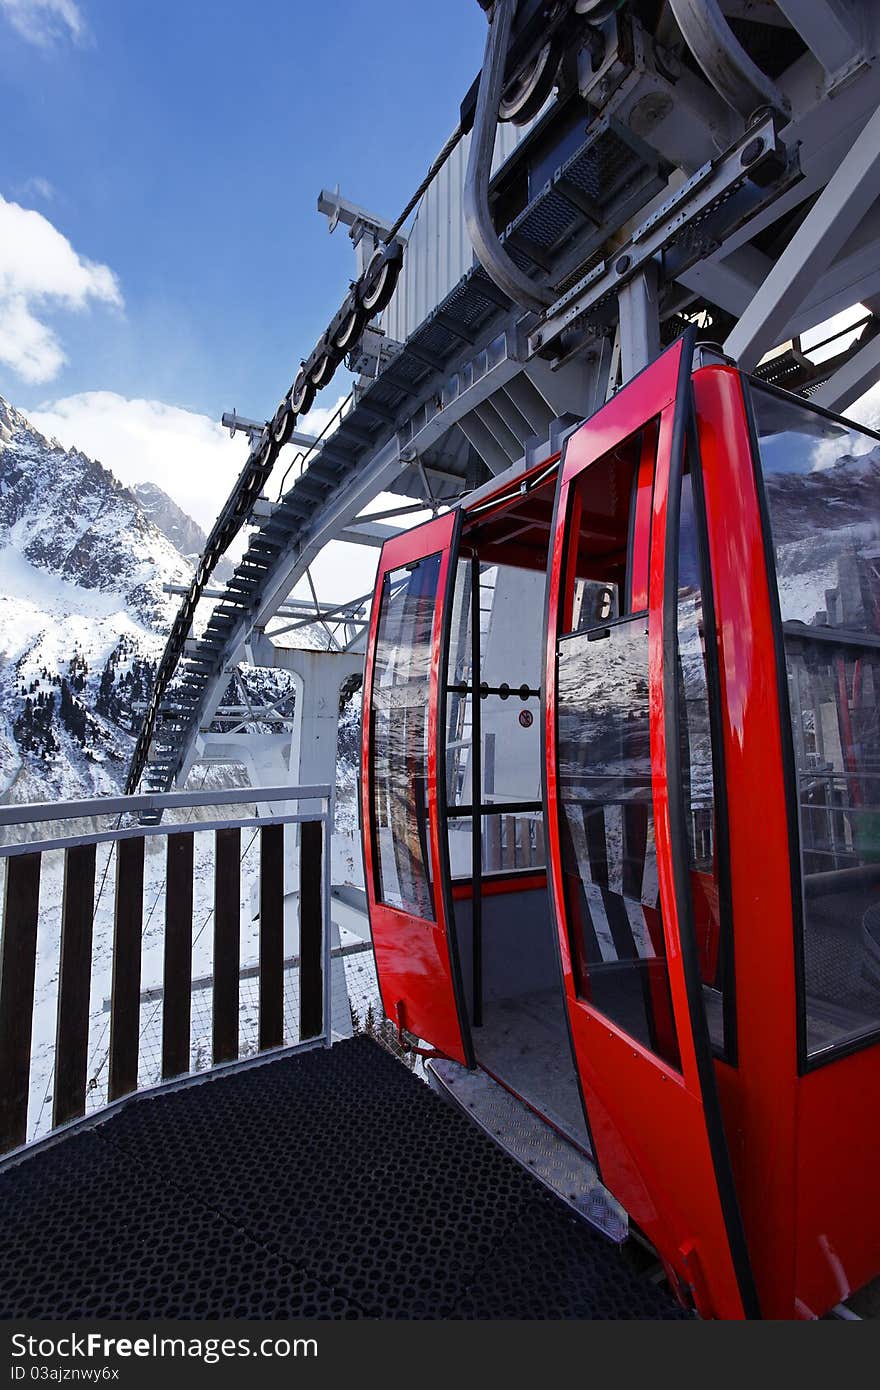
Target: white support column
point(845, 200)
point(639, 322)
point(319, 676)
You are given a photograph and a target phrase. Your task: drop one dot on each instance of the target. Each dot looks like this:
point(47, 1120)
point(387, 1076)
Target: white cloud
point(44, 22)
point(188, 455)
point(38, 269)
point(36, 187)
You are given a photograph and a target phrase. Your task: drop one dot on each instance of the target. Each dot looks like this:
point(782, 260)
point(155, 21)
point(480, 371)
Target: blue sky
point(179, 146)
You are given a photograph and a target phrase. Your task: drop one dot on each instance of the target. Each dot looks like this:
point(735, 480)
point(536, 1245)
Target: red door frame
point(417, 960)
point(805, 1143)
point(657, 1133)
point(759, 1092)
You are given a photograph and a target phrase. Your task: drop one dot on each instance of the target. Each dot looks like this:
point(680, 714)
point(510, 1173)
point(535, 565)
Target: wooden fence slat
point(271, 936)
point(18, 953)
point(311, 1008)
point(177, 973)
point(125, 1010)
point(508, 858)
point(523, 843)
point(227, 942)
point(539, 843)
point(74, 984)
point(492, 841)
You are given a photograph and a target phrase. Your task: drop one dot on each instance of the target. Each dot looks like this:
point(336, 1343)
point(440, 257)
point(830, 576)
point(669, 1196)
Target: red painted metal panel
point(759, 1095)
point(838, 1215)
point(806, 1150)
point(413, 956)
point(523, 882)
point(648, 1122)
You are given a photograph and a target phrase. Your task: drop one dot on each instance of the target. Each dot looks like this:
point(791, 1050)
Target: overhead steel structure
point(621, 169)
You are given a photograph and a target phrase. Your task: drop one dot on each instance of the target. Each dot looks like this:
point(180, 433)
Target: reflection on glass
point(511, 631)
point(510, 841)
point(697, 776)
point(595, 601)
point(822, 483)
point(399, 737)
point(607, 831)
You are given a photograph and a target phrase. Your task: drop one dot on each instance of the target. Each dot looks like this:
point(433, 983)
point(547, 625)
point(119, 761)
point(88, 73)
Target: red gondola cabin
point(621, 808)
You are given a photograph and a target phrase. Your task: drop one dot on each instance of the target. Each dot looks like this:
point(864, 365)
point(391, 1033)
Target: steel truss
point(648, 193)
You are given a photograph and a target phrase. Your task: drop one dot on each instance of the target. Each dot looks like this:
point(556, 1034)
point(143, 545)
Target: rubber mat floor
point(332, 1184)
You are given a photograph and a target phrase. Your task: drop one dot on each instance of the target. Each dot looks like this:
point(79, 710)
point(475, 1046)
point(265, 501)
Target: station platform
point(329, 1184)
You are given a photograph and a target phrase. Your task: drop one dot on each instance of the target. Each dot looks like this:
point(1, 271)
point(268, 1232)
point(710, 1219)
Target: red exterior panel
point(648, 1122)
point(413, 957)
point(759, 1095)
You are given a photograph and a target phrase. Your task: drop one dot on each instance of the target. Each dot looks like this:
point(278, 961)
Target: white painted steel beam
point(845, 200)
point(829, 28)
point(368, 533)
point(852, 380)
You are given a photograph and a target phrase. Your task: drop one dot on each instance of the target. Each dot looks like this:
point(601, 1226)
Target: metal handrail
point(27, 812)
point(76, 947)
point(303, 456)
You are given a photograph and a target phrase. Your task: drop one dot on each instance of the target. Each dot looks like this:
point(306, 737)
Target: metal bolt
point(751, 151)
point(623, 264)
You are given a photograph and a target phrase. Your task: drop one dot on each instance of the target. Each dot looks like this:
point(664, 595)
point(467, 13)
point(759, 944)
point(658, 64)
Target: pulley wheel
point(302, 394)
point(524, 97)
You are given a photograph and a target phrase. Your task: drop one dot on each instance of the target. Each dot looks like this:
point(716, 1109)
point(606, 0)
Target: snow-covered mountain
point(83, 616)
point(184, 534)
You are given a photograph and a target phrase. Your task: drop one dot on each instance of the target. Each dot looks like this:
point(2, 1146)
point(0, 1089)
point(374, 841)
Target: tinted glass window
point(511, 601)
point(609, 858)
point(822, 484)
point(399, 736)
point(607, 832)
point(710, 914)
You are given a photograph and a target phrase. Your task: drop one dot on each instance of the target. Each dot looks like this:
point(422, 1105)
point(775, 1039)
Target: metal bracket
point(663, 232)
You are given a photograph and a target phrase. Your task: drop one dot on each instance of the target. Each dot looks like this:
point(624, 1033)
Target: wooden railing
point(25, 841)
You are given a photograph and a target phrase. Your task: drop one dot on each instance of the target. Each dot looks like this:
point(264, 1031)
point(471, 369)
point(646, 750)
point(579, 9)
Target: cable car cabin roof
point(510, 519)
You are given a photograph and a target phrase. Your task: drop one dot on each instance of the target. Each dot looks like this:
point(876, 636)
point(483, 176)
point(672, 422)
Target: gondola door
point(625, 896)
point(405, 856)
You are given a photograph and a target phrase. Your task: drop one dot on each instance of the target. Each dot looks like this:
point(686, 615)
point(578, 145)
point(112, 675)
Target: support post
point(829, 28)
point(639, 322)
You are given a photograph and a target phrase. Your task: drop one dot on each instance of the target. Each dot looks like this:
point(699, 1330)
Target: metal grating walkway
point(333, 1184)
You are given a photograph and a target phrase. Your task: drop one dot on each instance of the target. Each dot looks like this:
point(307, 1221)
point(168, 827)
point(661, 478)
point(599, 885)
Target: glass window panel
point(697, 775)
point(602, 500)
point(609, 858)
point(822, 484)
point(511, 841)
point(399, 736)
point(511, 635)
